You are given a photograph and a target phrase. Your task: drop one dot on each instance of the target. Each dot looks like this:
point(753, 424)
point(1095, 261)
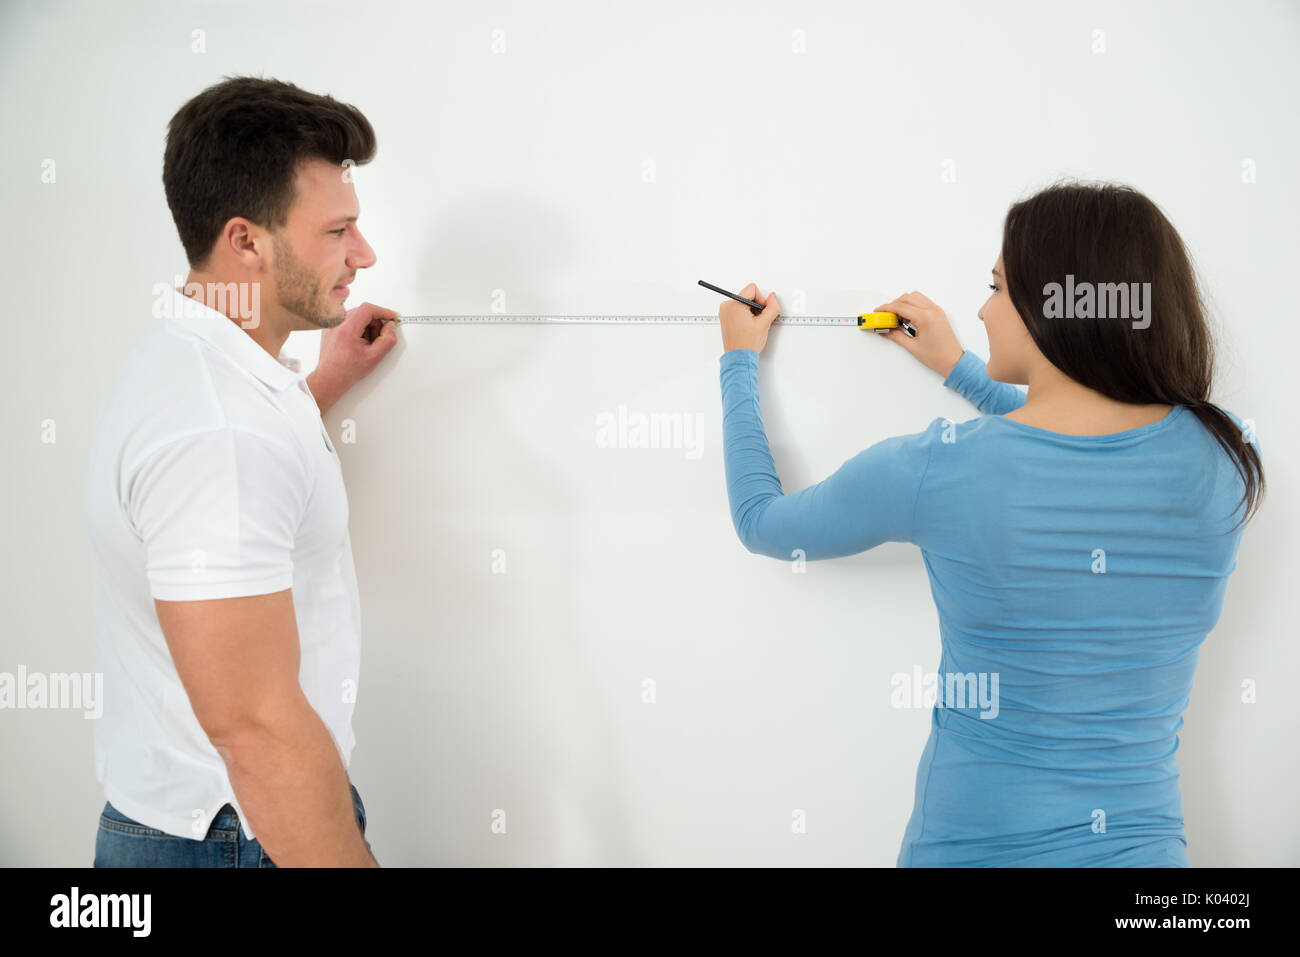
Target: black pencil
point(756, 306)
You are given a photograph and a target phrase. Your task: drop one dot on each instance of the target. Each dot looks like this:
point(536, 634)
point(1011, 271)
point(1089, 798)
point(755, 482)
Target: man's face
point(320, 248)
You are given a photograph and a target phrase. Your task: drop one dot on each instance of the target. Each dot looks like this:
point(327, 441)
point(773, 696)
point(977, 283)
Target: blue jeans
point(122, 842)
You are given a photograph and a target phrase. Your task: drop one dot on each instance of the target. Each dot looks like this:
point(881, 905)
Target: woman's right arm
point(969, 378)
point(936, 347)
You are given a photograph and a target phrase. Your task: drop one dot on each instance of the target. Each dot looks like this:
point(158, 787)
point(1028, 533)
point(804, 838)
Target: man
point(226, 612)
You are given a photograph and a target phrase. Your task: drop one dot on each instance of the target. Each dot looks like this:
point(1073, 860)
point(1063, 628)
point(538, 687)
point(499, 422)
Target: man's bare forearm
point(292, 787)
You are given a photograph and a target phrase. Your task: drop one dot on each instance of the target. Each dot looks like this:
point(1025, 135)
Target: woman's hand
point(741, 329)
point(935, 345)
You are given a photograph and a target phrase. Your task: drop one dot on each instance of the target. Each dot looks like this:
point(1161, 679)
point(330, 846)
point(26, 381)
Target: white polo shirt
point(211, 476)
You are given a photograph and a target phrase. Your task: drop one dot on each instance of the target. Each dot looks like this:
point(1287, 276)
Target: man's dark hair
point(234, 150)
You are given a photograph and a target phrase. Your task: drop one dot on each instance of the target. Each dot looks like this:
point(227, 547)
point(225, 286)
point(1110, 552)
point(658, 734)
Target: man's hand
point(351, 350)
point(741, 329)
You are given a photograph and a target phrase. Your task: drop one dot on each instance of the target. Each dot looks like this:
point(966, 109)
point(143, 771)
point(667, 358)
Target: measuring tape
point(874, 321)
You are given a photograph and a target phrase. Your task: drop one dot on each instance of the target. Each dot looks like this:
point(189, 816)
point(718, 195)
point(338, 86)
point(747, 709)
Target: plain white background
point(590, 158)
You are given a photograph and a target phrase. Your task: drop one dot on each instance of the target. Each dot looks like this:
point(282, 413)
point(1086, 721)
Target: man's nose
point(363, 256)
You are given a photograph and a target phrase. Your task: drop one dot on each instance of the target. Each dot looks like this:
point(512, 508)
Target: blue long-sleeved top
point(1075, 578)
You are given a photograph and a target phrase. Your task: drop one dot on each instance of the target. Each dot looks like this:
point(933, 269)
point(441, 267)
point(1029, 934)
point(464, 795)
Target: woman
point(1078, 539)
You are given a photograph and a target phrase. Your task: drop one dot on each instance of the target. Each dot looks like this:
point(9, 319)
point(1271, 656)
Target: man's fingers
point(379, 328)
point(367, 312)
point(384, 340)
point(363, 321)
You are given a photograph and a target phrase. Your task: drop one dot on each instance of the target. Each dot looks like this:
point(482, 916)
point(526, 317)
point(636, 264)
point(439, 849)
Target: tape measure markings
point(620, 320)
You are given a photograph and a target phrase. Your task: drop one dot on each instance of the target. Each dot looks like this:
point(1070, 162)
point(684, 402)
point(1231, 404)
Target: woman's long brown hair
point(1110, 233)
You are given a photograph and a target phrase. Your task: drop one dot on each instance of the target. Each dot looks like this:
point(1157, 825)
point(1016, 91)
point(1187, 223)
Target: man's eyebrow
point(343, 219)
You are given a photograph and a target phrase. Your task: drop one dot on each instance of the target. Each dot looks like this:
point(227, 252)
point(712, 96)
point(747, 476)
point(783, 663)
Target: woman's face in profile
point(1009, 340)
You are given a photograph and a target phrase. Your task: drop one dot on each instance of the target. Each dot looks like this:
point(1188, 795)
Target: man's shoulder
point(173, 384)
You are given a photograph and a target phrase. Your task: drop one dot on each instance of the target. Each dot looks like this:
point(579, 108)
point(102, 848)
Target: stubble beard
point(298, 291)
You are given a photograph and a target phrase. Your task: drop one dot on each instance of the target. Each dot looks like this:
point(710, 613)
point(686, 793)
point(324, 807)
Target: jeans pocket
point(122, 842)
point(111, 819)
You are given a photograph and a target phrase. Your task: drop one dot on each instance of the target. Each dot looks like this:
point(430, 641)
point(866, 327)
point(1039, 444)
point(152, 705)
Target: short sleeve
point(218, 513)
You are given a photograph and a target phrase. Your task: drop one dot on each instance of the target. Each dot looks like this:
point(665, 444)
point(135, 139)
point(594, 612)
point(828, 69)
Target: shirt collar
point(222, 332)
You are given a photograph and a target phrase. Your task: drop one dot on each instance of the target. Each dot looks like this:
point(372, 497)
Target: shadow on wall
point(476, 692)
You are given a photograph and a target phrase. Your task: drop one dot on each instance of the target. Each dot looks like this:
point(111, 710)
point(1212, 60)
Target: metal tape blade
point(618, 320)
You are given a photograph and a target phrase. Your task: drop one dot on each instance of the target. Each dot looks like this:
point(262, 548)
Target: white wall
point(524, 171)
